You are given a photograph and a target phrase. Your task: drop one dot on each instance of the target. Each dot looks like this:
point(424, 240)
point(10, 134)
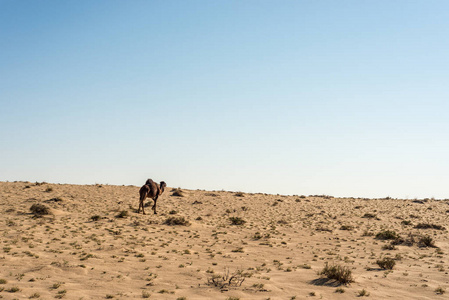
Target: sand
point(84, 250)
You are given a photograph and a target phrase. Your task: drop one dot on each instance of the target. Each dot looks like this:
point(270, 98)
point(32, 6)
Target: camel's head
point(163, 185)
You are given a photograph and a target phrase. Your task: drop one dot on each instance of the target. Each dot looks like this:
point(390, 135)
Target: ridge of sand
point(284, 243)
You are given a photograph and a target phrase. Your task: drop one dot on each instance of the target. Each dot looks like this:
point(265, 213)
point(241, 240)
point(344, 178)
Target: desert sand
point(94, 245)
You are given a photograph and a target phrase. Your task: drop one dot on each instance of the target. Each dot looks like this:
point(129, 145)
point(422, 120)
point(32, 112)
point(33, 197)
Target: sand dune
point(93, 245)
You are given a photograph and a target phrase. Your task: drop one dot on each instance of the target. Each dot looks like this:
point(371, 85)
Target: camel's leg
point(143, 208)
point(154, 206)
point(142, 200)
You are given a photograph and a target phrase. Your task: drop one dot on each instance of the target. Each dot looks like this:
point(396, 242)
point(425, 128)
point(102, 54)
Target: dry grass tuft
point(386, 263)
point(39, 209)
point(180, 221)
point(387, 235)
point(339, 273)
point(178, 192)
point(227, 280)
point(429, 226)
point(237, 221)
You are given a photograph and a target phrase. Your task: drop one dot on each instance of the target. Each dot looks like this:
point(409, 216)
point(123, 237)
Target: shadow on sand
point(325, 282)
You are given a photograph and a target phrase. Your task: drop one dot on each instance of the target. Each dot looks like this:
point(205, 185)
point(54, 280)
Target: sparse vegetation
point(363, 293)
point(177, 192)
point(227, 280)
point(122, 214)
point(426, 241)
point(39, 209)
point(339, 273)
point(387, 235)
point(180, 221)
point(386, 263)
point(95, 218)
point(289, 241)
point(13, 289)
point(429, 226)
point(237, 221)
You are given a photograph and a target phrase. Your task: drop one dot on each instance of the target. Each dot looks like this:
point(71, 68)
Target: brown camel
point(150, 190)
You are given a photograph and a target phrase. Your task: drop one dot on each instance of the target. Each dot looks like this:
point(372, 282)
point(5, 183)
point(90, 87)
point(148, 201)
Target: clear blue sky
point(347, 98)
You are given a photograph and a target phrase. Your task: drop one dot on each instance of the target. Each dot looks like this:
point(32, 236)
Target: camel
point(150, 190)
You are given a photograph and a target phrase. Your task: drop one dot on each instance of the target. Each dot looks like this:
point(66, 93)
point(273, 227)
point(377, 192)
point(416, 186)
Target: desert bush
point(178, 192)
point(237, 221)
point(56, 199)
point(339, 273)
point(49, 189)
point(227, 280)
point(369, 216)
point(122, 214)
point(429, 226)
point(406, 222)
point(340, 290)
point(440, 291)
point(95, 218)
point(426, 241)
point(363, 293)
point(346, 227)
point(239, 194)
point(173, 212)
point(387, 235)
point(39, 209)
point(389, 247)
point(13, 289)
point(386, 263)
point(211, 194)
point(176, 221)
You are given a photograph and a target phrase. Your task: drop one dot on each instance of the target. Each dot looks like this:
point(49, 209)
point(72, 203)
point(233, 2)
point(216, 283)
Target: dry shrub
point(369, 216)
point(429, 226)
point(181, 221)
point(178, 192)
point(386, 263)
point(122, 214)
point(239, 194)
point(39, 209)
point(346, 227)
point(237, 221)
point(387, 235)
point(95, 218)
point(339, 273)
point(228, 280)
point(426, 241)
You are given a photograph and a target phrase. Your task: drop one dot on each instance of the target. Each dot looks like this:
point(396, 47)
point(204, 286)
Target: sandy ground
point(82, 250)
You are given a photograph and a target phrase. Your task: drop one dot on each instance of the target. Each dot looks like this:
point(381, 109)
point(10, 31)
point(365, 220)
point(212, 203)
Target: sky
point(342, 98)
